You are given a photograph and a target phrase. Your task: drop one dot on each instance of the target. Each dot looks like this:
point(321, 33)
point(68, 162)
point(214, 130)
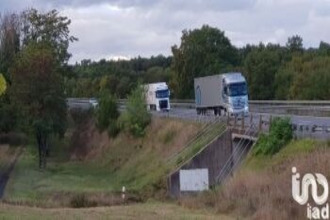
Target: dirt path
point(5, 172)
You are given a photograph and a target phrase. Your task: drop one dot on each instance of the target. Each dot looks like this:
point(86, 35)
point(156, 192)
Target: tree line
point(89, 78)
point(273, 71)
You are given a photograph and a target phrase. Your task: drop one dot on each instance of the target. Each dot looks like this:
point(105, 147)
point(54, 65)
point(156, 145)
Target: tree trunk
point(39, 149)
point(42, 148)
point(45, 148)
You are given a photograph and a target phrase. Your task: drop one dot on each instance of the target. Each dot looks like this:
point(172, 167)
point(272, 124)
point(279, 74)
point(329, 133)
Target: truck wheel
point(198, 111)
point(215, 111)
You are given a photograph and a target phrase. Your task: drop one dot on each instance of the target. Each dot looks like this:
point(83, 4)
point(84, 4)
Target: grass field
point(139, 164)
point(138, 211)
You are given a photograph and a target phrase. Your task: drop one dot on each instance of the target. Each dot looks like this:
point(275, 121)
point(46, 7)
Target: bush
point(113, 129)
point(106, 112)
point(79, 116)
point(81, 201)
point(8, 117)
point(280, 133)
point(13, 139)
point(136, 117)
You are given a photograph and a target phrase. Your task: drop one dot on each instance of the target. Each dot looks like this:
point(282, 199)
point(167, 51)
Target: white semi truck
point(157, 96)
point(225, 93)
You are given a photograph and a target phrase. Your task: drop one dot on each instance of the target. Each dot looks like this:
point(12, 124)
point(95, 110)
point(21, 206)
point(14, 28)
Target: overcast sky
point(128, 28)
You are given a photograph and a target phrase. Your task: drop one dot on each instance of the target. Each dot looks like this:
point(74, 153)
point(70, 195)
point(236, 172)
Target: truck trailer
point(157, 96)
point(225, 93)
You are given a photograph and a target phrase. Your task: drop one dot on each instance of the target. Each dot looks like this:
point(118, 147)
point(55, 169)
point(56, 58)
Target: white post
point(123, 190)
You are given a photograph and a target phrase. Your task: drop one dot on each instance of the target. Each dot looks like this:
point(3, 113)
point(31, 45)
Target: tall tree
point(202, 52)
point(295, 44)
point(311, 78)
point(37, 88)
point(37, 75)
point(48, 27)
point(324, 48)
point(261, 65)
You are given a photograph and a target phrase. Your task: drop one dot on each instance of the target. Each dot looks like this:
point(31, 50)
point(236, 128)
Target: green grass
point(261, 162)
point(29, 183)
point(138, 164)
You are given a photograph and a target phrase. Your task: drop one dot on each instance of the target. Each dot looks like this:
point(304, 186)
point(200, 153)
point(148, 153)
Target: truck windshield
point(237, 89)
point(162, 93)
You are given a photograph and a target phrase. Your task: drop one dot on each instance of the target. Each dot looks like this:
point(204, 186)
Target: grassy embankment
point(149, 210)
point(261, 189)
point(90, 169)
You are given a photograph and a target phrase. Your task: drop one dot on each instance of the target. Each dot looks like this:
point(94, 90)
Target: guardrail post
point(260, 123)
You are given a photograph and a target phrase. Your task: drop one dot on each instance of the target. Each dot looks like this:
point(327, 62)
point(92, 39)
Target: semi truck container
point(157, 96)
point(223, 93)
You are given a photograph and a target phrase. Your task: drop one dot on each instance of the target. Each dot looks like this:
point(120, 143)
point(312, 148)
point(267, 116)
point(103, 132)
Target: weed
point(169, 136)
point(81, 201)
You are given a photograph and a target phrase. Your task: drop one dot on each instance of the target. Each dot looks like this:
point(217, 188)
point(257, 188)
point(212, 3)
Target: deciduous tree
point(37, 88)
point(202, 52)
point(48, 27)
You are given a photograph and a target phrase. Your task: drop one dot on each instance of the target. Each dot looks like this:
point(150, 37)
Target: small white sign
point(194, 180)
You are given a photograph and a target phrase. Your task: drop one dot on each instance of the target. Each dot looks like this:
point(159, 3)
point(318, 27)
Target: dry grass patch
point(138, 211)
point(265, 193)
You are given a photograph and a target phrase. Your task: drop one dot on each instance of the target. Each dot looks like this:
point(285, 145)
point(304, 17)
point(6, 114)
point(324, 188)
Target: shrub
point(107, 111)
point(280, 133)
point(13, 139)
point(136, 117)
point(113, 128)
point(79, 116)
point(81, 201)
point(8, 116)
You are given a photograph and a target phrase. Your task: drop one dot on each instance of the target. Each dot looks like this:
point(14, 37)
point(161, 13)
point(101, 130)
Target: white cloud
point(118, 28)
